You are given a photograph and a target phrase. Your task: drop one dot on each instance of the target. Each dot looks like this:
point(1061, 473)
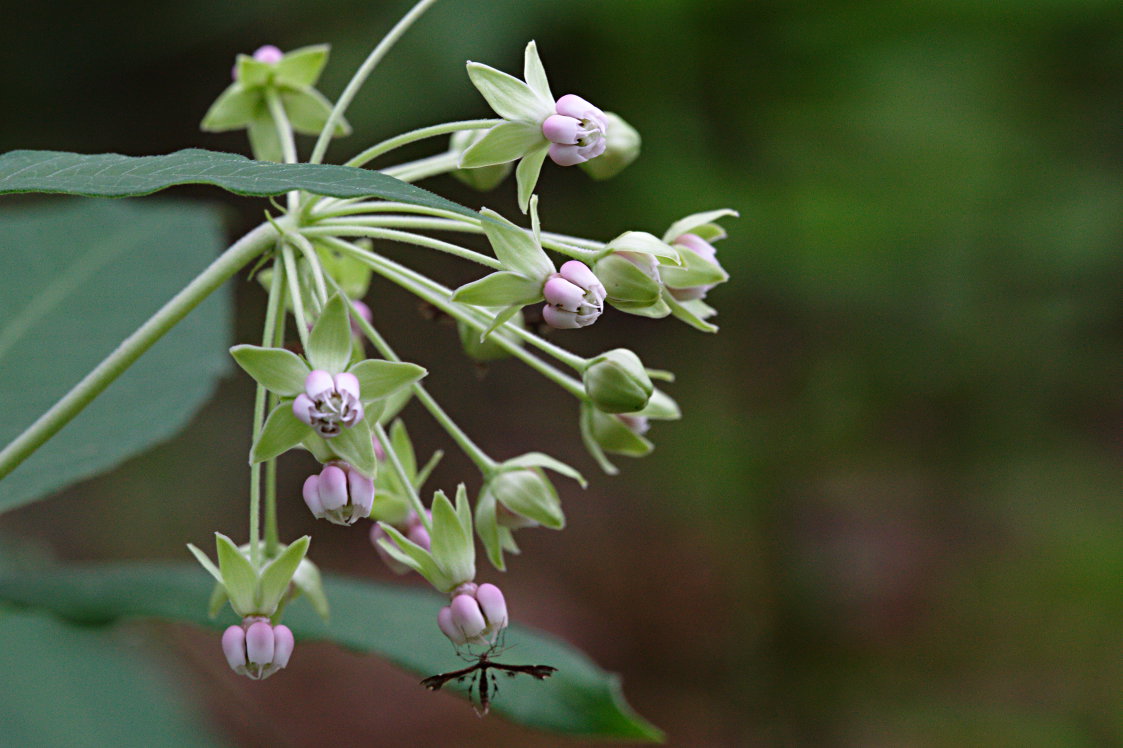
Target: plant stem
point(403, 236)
point(396, 464)
point(295, 296)
point(268, 338)
point(423, 168)
point(112, 366)
point(475, 454)
point(285, 135)
point(420, 134)
point(361, 75)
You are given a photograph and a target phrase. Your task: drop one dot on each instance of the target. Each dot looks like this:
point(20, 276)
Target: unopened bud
point(257, 648)
point(476, 615)
point(340, 494)
point(578, 131)
point(617, 382)
point(574, 297)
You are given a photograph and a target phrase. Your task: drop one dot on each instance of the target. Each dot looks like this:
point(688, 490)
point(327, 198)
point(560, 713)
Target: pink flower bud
point(268, 54)
point(396, 566)
point(412, 528)
point(364, 312)
point(638, 424)
point(257, 648)
point(706, 251)
point(340, 494)
point(577, 131)
point(329, 404)
point(476, 615)
point(574, 297)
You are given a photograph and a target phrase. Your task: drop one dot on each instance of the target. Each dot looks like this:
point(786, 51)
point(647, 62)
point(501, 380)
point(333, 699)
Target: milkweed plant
point(329, 382)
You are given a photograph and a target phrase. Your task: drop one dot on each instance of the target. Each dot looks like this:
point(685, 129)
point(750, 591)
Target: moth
point(482, 672)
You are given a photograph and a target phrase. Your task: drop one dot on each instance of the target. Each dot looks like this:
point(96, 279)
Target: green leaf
point(238, 577)
point(308, 111)
point(282, 431)
point(69, 686)
point(379, 379)
point(77, 278)
point(329, 343)
point(579, 699)
point(505, 142)
point(234, 109)
point(113, 175)
point(508, 96)
point(278, 574)
point(515, 247)
point(526, 173)
point(499, 289)
point(302, 67)
point(277, 369)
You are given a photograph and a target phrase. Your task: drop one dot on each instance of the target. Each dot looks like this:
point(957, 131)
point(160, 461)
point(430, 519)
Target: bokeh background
point(891, 515)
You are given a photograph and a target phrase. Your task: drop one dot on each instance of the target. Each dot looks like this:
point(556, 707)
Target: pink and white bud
point(257, 648)
point(340, 494)
point(476, 615)
point(574, 297)
point(706, 251)
point(364, 312)
point(268, 54)
point(578, 131)
point(329, 404)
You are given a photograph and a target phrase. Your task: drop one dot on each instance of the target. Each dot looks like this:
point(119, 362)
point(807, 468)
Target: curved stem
point(112, 366)
point(414, 171)
point(259, 402)
point(285, 135)
point(337, 208)
point(361, 75)
point(295, 296)
point(419, 134)
point(396, 464)
point(403, 236)
point(474, 453)
point(272, 541)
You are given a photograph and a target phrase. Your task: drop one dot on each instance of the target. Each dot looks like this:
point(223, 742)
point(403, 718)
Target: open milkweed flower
point(574, 297)
point(475, 615)
point(257, 648)
point(577, 131)
point(339, 493)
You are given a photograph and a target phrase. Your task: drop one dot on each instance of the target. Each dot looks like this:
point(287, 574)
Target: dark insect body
point(482, 672)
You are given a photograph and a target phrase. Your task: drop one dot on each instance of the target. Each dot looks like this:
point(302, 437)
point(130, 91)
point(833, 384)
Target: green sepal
point(695, 271)
point(379, 379)
point(504, 142)
point(282, 431)
point(352, 275)
point(490, 349)
point(329, 343)
point(616, 382)
point(308, 111)
point(302, 66)
point(614, 436)
point(535, 74)
point(264, 140)
point(645, 243)
point(393, 404)
point(308, 581)
point(405, 551)
point(252, 73)
point(277, 575)
point(528, 492)
point(499, 289)
point(526, 173)
point(661, 407)
point(234, 109)
point(278, 370)
point(515, 247)
point(683, 311)
point(585, 422)
point(451, 543)
point(658, 310)
point(508, 96)
point(627, 287)
point(205, 562)
point(238, 577)
point(499, 320)
point(692, 223)
point(487, 528)
point(540, 460)
point(354, 447)
point(217, 600)
point(403, 449)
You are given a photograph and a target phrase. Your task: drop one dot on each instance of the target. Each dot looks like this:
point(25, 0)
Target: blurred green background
point(891, 515)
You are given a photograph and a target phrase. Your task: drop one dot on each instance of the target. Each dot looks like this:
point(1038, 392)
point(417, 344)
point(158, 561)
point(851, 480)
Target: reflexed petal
point(361, 489)
point(467, 616)
point(561, 129)
point(493, 605)
point(317, 383)
point(312, 495)
point(565, 155)
point(559, 319)
point(234, 647)
point(333, 488)
point(562, 293)
point(302, 408)
point(283, 645)
point(448, 628)
point(347, 383)
point(259, 643)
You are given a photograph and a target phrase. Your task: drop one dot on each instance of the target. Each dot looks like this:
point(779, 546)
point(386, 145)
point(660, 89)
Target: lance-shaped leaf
point(277, 369)
point(693, 224)
point(282, 431)
point(538, 459)
point(302, 66)
point(645, 243)
point(238, 577)
point(504, 142)
point(379, 379)
point(278, 574)
point(500, 289)
point(329, 343)
point(535, 74)
point(526, 173)
point(515, 247)
point(685, 312)
point(113, 175)
point(508, 96)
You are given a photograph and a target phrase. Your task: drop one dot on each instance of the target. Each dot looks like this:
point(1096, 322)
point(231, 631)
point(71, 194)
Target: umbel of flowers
point(320, 393)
